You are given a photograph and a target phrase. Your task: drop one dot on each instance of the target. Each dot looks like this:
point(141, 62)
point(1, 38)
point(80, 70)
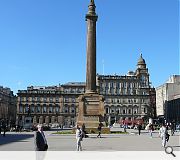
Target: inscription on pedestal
point(91, 118)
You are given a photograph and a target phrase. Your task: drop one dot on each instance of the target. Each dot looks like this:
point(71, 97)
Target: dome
point(141, 61)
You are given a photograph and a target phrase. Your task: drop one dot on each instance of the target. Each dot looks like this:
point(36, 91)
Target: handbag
point(46, 147)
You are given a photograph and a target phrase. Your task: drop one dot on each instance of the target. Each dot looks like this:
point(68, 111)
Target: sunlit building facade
point(7, 106)
point(128, 99)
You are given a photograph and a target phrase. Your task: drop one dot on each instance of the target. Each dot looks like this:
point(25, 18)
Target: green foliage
point(118, 132)
point(63, 132)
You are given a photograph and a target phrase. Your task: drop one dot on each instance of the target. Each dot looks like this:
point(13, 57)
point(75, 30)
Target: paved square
point(109, 142)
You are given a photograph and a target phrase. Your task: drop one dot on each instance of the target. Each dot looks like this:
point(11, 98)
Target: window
point(124, 84)
point(33, 99)
point(38, 99)
point(51, 99)
point(117, 85)
point(20, 108)
point(107, 110)
point(73, 100)
point(38, 108)
point(57, 108)
point(26, 108)
point(106, 91)
point(20, 99)
point(50, 108)
point(107, 84)
point(44, 108)
point(117, 111)
point(57, 99)
point(112, 91)
point(66, 99)
point(129, 111)
point(129, 91)
point(124, 111)
point(144, 110)
point(32, 108)
point(66, 110)
point(45, 99)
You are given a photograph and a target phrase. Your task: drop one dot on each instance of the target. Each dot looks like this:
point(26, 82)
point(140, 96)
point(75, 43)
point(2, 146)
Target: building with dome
point(127, 99)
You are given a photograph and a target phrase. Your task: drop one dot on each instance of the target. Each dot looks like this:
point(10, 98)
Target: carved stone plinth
point(91, 110)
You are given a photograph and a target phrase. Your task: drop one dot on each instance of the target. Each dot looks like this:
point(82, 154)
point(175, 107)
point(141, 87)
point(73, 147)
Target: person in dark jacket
point(4, 128)
point(99, 130)
point(139, 127)
point(40, 140)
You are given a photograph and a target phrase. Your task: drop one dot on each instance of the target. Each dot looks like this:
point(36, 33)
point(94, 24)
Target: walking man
point(139, 128)
point(79, 137)
point(40, 139)
point(99, 131)
point(4, 128)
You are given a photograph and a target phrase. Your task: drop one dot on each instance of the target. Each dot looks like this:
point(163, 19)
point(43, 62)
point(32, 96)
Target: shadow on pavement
point(10, 138)
point(175, 146)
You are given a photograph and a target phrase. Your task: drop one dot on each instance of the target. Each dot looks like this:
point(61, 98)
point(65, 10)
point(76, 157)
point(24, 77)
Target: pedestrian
point(0, 128)
point(4, 128)
point(172, 128)
point(99, 130)
point(162, 134)
point(124, 126)
point(151, 129)
point(79, 138)
point(40, 139)
point(139, 128)
point(84, 131)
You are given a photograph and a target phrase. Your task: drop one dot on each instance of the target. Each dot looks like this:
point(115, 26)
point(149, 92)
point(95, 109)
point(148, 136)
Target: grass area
point(70, 132)
point(118, 132)
point(63, 132)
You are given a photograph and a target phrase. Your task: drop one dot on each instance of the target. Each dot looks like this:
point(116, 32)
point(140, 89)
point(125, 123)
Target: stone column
point(91, 19)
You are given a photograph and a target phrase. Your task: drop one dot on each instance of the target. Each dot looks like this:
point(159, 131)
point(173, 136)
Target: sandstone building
point(128, 99)
point(7, 106)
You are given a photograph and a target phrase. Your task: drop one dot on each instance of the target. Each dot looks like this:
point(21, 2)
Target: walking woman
point(162, 134)
point(79, 135)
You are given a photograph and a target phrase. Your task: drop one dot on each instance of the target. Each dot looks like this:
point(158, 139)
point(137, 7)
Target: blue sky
point(43, 42)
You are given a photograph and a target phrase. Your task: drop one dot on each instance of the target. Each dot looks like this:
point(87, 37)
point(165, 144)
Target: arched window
point(44, 108)
point(20, 108)
point(32, 108)
point(50, 108)
point(57, 108)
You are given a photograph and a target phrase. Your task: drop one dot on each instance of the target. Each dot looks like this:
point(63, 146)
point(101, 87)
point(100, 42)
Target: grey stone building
point(7, 105)
point(127, 99)
point(168, 91)
point(172, 111)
